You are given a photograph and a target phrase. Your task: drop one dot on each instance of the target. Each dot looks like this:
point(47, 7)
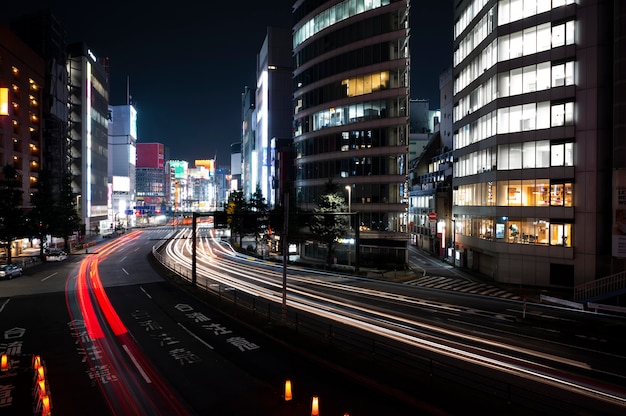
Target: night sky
point(188, 66)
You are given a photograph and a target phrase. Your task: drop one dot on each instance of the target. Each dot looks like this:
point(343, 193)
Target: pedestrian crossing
point(461, 285)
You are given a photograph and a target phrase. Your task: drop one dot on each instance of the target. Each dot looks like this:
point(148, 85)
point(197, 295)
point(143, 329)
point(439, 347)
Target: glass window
point(569, 154)
point(543, 37)
point(530, 41)
point(558, 75)
point(543, 115)
point(503, 12)
point(530, 78)
point(530, 8)
point(556, 194)
point(515, 119)
point(543, 76)
point(515, 156)
point(542, 192)
point(528, 196)
point(528, 154)
point(569, 113)
point(529, 116)
point(558, 115)
point(503, 120)
point(516, 81)
point(561, 235)
point(557, 155)
point(542, 6)
point(569, 32)
point(517, 10)
point(503, 48)
point(558, 36)
point(503, 84)
point(569, 73)
point(568, 196)
point(516, 44)
point(503, 158)
point(543, 154)
point(514, 193)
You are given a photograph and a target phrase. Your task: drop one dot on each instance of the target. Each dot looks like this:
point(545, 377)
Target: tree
point(42, 217)
point(258, 206)
point(69, 220)
point(11, 213)
point(326, 224)
point(236, 209)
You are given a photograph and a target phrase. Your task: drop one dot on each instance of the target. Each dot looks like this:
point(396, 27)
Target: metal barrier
point(599, 288)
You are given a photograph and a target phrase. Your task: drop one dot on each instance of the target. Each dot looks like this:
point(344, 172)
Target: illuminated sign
point(4, 101)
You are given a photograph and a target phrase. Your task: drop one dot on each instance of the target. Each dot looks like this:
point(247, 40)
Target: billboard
point(151, 155)
point(179, 168)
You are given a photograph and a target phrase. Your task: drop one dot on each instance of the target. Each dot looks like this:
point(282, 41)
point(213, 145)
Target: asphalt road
point(213, 362)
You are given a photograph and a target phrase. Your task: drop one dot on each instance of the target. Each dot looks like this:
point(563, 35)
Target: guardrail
point(379, 358)
point(597, 289)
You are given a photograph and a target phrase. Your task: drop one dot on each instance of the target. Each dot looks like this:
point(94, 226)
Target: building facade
point(351, 109)
point(150, 177)
point(533, 139)
point(273, 110)
point(122, 160)
point(88, 130)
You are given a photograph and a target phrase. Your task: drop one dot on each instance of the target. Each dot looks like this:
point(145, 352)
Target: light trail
point(137, 388)
point(266, 284)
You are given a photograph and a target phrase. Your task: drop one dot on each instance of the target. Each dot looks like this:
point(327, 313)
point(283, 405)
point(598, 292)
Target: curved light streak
point(391, 326)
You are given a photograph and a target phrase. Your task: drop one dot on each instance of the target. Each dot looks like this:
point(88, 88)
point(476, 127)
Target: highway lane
point(492, 326)
point(119, 339)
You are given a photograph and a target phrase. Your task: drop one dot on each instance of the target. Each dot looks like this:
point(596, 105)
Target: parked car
point(9, 271)
point(56, 256)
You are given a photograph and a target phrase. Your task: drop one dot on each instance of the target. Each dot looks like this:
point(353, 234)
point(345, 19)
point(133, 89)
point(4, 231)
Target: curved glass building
point(351, 98)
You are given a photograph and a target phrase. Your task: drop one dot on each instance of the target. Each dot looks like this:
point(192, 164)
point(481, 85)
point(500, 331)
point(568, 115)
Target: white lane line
point(144, 291)
point(134, 360)
point(48, 277)
point(124, 270)
point(4, 304)
point(195, 336)
point(123, 258)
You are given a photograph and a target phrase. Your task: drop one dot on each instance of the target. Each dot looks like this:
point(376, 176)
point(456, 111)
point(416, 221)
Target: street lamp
point(454, 240)
point(349, 189)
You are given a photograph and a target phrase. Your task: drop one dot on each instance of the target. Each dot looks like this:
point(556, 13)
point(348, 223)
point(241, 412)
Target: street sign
point(432, 216)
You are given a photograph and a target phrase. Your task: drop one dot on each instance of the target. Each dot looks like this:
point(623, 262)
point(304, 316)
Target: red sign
point(432, 216)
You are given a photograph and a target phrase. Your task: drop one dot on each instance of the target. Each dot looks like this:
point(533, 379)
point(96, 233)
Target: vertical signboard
point(619, 213)
point(4, 101)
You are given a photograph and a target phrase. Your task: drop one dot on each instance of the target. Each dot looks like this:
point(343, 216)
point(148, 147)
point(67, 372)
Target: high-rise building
point(150, 176)
point(351, 105)
point(21, 91)
point(534, 86)
point(273, 112)
point(88, 103)
point(122, 159)
point(46, 35)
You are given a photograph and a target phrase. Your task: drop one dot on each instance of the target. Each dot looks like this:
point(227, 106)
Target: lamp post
point(454, 240)
point(349, 189)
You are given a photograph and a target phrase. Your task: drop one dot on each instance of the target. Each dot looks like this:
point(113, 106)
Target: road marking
point(144, 291)
point(48, 277)
point(4, 304)
point(195, 336)
point(134, 360)
point(124, 270)
point(123, 258)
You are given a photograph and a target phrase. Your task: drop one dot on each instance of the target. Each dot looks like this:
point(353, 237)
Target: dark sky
point(188, 66)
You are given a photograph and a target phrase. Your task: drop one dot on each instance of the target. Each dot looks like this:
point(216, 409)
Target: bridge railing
point(604, 286)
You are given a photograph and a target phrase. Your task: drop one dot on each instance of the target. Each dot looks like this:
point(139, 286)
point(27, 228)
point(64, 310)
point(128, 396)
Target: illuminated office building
point(533, 138)
point(88, 103)
point(150, 177)
point(122, 163)
point(351, 103)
